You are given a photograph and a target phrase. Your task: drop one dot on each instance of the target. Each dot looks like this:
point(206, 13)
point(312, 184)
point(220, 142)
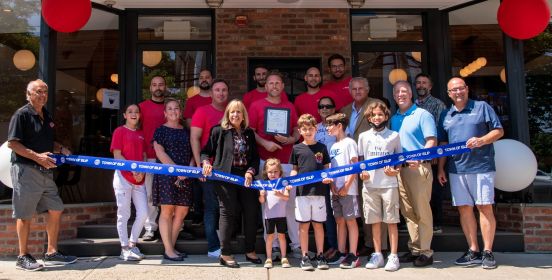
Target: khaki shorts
point(381, 205)
point(34, 191)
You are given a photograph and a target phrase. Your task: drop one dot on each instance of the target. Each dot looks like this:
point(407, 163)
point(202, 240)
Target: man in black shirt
point(31, 137)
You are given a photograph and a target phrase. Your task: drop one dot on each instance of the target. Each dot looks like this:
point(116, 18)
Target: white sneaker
point(136, 251)
point(128, 255)
point(214, 254)
point(376, 260)
point(393, 263)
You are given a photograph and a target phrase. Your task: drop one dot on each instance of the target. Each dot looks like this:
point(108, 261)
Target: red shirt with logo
point(341, 91)
point(132, 145)
point(152, 117)
point(307, 103)
point(205, 117)
point(257, 122)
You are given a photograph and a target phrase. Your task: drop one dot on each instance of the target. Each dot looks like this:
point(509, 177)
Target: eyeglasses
point(457, 89)
point(324, 106)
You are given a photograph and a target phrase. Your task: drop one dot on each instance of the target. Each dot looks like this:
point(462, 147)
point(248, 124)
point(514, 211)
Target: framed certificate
point(276, 121)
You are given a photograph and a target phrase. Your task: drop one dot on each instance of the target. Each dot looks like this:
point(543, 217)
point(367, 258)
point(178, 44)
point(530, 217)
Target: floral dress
point(168, 190)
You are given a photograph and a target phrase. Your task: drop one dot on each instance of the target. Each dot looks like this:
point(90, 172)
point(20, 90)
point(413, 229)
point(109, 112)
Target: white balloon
point(516, 165)
point(5, 165)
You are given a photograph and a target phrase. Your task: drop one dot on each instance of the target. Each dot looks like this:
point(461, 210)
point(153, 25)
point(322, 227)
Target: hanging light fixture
point(503, 75)
point(115, 78)
point(417, 56)
point(24, 60)
point(100, 94)
point(151, 58)
point(214, 3)
point(355, 4)
point(396, 75)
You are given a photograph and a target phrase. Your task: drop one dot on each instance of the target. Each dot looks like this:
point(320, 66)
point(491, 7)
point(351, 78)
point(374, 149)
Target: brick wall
point(537, 227)
point(277, 33)
point(73, 216)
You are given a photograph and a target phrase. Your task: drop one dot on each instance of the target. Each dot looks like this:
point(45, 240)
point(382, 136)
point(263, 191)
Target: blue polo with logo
point(414, 126)
point(476, 120)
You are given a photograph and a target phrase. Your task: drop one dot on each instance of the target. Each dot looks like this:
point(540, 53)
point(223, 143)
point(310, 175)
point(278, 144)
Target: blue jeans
point(210, 215)
point(331, 227)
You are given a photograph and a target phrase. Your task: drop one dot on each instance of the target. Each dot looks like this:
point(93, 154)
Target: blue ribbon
point(298, 180)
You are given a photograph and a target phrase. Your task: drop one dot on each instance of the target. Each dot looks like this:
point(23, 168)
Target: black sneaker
point(337, 258)
point(27, 263)
point(321, 262)
point(276, 254)
point(306, 264)
point(58, 258)
point(469, 258)
point(488, 261)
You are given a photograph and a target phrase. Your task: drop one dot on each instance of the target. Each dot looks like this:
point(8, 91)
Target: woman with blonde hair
point(234, 149)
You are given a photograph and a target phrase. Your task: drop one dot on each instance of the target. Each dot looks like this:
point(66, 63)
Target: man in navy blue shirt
point(471, 174)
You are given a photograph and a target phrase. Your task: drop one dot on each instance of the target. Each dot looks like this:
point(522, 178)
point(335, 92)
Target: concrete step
point(101, 240)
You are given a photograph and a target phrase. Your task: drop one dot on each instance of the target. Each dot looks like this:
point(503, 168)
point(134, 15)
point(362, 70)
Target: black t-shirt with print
point(310, 158)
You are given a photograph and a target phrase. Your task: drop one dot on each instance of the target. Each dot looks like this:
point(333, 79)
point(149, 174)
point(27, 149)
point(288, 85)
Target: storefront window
point(87, 68)
point(538, 77)
point(19, 50)
point(478, 54)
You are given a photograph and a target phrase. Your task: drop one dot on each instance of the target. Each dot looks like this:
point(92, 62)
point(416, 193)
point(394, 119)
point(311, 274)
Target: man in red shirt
point(339, 83)
point(152, 117)
point(307, 102)
point(260, 91)
point(201, 99)
point(277, 146)
point(204, 118)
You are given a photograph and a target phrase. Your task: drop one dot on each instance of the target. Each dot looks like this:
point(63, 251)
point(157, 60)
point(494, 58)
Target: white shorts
point(310, 209)
point(472, 189)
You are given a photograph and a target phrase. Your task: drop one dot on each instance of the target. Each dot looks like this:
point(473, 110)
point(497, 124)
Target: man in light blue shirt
point(471, 174)
point(416, 128)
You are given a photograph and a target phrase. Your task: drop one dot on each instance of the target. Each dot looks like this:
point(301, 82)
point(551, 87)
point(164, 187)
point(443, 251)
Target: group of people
point(334, 124)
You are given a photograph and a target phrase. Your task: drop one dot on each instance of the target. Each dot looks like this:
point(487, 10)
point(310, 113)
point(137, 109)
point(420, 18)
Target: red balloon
point(66, 16)
point(523, 19)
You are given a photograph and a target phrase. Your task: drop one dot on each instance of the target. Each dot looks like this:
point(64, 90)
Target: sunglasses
point(329, 106)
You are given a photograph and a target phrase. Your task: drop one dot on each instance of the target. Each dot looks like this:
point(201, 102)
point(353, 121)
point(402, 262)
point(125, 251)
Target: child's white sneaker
point(376, 260)
point(393, 263)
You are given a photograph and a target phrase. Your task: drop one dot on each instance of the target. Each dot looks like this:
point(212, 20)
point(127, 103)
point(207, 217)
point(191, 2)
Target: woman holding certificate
point(234, 150)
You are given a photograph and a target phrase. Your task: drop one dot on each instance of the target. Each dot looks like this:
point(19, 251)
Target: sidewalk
point(511, 266)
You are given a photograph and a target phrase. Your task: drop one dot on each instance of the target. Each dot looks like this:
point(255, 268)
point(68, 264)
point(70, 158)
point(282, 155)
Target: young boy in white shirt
point(381, 187)
point(344, 189)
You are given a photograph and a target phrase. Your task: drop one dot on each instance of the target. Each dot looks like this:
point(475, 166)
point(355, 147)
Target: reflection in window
point(19, 50)
point(382, 69)
point(180, 69)
point(478, 55)
point(86, 74)
point(538, 74)
point(387, 27)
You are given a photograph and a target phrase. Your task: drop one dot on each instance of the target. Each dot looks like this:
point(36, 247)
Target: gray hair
point(402, 82)
point(33, 84)
point(359, 79)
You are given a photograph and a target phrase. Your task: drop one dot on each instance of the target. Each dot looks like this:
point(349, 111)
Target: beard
point(317, 85)
point(204, 85)
point(261, 83)
point(158, 93)
point(422, 92)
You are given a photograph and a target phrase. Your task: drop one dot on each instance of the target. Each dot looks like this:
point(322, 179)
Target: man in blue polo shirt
point(471, 174)
point(416, 128)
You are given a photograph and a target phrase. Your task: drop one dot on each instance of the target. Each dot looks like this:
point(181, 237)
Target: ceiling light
point(7, 10)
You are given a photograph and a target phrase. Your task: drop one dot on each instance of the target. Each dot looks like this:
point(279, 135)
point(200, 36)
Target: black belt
point(406, 164)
